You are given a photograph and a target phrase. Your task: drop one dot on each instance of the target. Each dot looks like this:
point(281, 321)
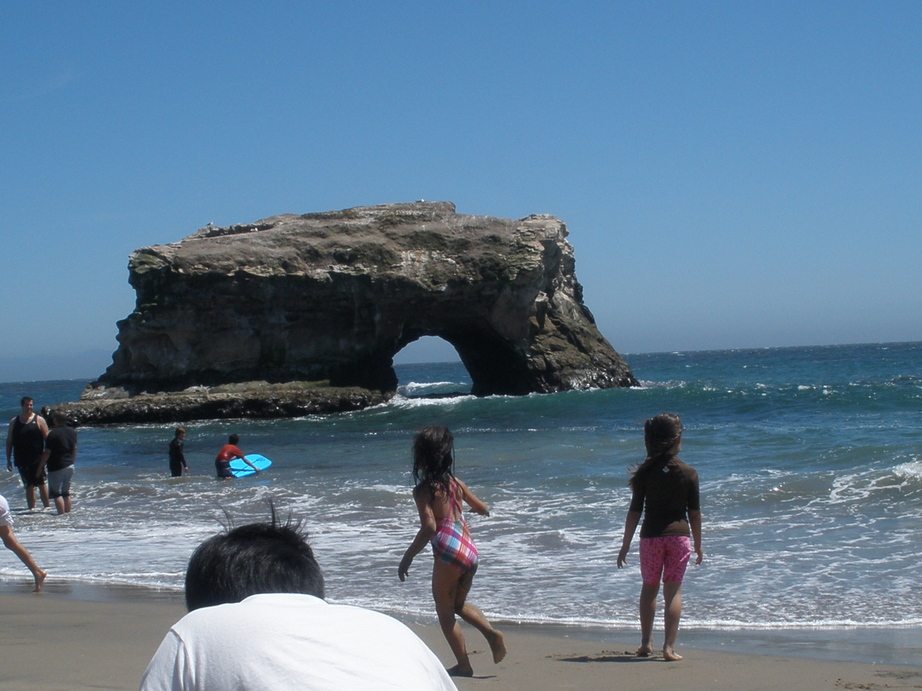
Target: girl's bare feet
point(644, 651)
point(458, 671)
point(39, 579)
point(670, 655)
point(497, 646)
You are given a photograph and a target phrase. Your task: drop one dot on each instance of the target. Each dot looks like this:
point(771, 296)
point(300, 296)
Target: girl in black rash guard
point(665, 491)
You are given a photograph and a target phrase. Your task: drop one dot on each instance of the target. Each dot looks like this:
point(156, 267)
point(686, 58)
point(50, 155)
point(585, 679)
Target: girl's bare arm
point(426, 531)
point(694, 519)
point(630, 525)
point(476, 505)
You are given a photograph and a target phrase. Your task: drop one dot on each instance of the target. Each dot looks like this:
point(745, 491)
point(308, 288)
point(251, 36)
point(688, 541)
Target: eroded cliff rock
point(335, 295)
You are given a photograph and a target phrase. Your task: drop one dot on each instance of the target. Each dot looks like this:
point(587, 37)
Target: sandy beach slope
point(52, 642)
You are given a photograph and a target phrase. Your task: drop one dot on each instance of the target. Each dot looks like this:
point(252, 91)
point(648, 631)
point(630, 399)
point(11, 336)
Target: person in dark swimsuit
point(665, 491)
point(178, 464)
point(25, 443)
point(439, 496)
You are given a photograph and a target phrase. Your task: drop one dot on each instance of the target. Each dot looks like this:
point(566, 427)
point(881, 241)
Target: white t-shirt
point(288, 641)
point(5, 517)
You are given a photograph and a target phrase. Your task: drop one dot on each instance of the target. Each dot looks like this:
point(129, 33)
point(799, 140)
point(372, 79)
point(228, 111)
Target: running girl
point(439, 495)
point(11, 543)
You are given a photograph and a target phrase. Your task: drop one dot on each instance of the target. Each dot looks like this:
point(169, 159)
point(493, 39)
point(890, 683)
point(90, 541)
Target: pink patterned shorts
point(665, 556)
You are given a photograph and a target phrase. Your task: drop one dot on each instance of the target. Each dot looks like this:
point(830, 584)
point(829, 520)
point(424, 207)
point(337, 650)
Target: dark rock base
point(255, 400)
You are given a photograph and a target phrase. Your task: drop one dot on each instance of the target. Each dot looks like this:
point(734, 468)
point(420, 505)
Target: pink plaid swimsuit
point(452, 541)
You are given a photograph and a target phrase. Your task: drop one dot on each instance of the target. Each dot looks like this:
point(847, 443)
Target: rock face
point(334, 296)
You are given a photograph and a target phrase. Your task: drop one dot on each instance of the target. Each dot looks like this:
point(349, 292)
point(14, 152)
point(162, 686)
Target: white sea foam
point(419, 388)
point(671, 384)
point(911, 470)
point(404, 402)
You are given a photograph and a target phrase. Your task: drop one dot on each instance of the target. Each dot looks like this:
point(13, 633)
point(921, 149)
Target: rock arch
point(335, 295)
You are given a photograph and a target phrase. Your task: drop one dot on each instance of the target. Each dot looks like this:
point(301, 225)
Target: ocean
point(810, 461)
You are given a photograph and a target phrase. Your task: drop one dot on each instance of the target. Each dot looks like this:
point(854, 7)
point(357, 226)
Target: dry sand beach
point(54, 641)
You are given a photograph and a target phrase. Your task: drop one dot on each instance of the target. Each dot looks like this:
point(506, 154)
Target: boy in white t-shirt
point(257, 620)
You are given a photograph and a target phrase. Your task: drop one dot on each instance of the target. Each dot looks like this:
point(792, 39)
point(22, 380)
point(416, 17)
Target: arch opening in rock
point(427, 349)
point(430, 367)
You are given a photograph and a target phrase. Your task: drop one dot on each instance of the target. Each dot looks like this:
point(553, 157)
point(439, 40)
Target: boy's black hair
point(249, 560)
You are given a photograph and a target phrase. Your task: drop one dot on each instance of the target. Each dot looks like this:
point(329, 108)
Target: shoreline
point(866, 645)
point(97, 622)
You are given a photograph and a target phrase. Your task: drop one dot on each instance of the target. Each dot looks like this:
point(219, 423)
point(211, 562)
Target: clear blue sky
point(733, 174)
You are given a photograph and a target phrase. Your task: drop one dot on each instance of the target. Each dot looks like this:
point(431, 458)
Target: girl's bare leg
point(473, 616)
point(444, 591)
point(12, 544)
point(648, 593)
point(672, 594)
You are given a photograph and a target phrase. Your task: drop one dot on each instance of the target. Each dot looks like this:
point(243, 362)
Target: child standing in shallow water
point(439, 496)
point(665, 491)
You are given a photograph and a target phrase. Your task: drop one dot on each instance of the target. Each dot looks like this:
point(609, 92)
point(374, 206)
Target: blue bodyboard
point(240, 469)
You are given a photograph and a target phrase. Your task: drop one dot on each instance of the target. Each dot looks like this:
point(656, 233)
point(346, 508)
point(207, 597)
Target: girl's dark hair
point(661, 435)
point(434, 458)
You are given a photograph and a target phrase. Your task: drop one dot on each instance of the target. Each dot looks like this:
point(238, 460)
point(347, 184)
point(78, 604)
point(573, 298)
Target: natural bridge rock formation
point(334, 296)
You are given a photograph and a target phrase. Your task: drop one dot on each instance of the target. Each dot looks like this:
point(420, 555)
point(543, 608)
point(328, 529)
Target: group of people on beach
point(40, 455)
point(665, 495)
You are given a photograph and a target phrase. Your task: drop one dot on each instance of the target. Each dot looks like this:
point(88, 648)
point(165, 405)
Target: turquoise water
point(810, 461)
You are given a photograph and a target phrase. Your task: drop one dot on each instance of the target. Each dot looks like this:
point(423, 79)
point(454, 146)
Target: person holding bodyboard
point(229, 452)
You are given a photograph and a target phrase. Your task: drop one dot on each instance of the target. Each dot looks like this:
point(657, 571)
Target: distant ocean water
point(811, 477)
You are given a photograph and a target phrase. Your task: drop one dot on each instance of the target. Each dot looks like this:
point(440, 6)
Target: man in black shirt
point(24, 442)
